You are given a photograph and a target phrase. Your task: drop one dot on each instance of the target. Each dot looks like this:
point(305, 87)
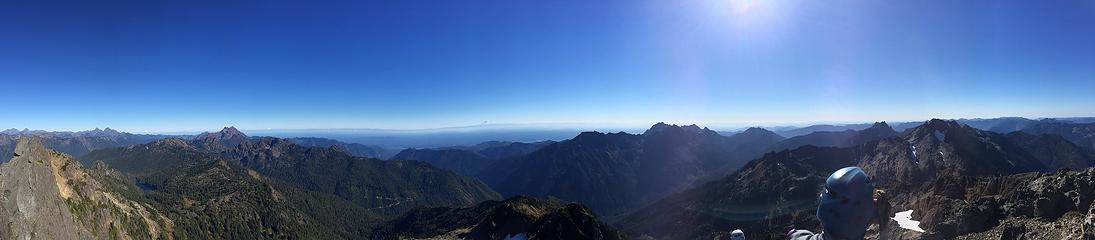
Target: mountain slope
point(213, 198)
point(999, 125)
point(470, 160)
point(935, 152)
point(355, 149)
point(844, 138)
point(746, 199)
point(1082, 134)
point(616, 172)
point(465, 162)
point(790, 133)
point(518, 217)
point(1053, 150)
point(383, 187)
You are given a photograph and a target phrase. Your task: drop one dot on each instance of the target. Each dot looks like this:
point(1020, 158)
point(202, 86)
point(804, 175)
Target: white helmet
point(737, 234)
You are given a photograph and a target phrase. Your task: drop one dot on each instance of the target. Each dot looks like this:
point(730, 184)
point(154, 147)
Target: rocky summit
point(48, 195)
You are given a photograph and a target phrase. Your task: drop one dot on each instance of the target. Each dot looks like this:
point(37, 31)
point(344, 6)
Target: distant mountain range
point(977, 178)
point(616, 172)
point(73, 143)
point(355, 149)
point(388, 187)
point(470, 160)
point(844, 138)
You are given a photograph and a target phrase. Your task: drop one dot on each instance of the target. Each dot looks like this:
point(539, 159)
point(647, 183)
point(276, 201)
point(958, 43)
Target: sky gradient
point(166, 66)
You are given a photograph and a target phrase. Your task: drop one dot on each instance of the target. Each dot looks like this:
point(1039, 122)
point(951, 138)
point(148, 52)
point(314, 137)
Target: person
point(846, 208)
point(737, 234)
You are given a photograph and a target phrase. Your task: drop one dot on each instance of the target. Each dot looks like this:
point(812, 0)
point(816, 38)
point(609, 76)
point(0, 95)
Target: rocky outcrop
point(225, 139)
point(47, 194)
point(1032, 205)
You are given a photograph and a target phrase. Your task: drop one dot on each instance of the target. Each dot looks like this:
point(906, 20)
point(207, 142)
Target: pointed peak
point(97, 132)
point(940, 129)
point(757, 130)
point(589, 134)
point(231, 129)
point(757, 133)
point(880, 127)
point(661, 127)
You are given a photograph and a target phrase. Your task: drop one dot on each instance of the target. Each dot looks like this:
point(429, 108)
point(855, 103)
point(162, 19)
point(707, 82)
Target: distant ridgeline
point(226, 185)
point(960, 178)
point(73, 143)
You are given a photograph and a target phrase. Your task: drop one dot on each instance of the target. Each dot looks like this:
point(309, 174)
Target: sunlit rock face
point(47, 194)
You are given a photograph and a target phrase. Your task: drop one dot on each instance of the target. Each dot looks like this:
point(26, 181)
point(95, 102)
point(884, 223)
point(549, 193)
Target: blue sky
point(197, 65)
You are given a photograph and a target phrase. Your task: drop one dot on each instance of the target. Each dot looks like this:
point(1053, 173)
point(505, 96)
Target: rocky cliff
point(48, 195)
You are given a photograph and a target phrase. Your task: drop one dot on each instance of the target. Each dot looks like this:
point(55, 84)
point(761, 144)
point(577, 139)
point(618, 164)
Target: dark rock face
point(519, 216)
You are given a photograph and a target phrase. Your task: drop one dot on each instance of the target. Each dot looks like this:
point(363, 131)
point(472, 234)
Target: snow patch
point(904, 220)
point(913, 149)
point(519, 236)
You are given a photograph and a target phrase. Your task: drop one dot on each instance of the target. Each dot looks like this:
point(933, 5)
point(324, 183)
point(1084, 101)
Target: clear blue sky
point(197, 65)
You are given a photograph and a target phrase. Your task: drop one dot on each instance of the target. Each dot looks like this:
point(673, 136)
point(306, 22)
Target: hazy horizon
point(603, 127)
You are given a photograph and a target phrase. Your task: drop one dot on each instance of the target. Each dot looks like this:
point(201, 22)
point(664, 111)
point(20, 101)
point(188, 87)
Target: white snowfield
point(904, 220)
